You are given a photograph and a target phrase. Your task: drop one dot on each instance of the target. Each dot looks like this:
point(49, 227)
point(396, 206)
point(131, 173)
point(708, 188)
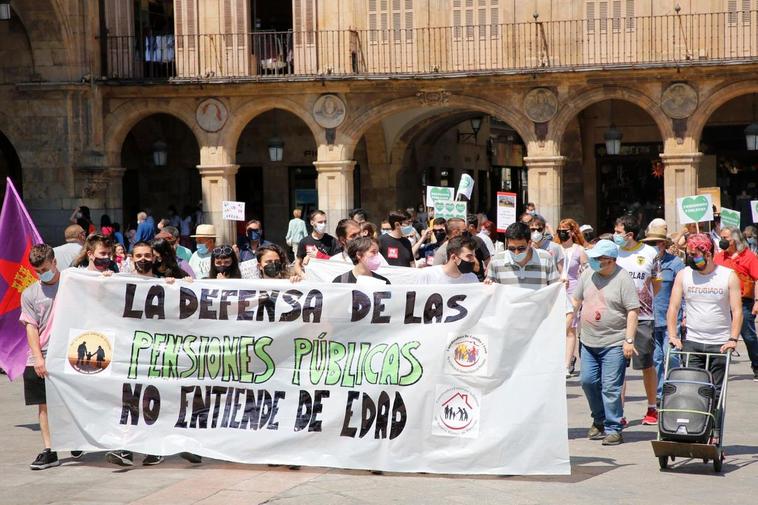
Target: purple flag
point(17, 235)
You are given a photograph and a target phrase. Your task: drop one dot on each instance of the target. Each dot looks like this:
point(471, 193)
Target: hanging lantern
point(612, 139)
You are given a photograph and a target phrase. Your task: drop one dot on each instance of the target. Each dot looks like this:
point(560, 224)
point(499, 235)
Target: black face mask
point(440, 235)
point(690, 262)
point(102, 263)
point(723, 244)
point(223, 269)
point(273, 270)
point(466, 267)
point(143, 266)
point(564, 235)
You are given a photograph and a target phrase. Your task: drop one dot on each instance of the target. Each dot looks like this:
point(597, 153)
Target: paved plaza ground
point(627, 474)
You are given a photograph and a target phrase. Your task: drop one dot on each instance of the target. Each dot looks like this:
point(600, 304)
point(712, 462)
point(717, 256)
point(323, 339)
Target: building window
point(732, 12)
point(630, 15)
point(303, 21)
point(474, 17)
point(393, 19)
point(746, 12)
point(590, 17)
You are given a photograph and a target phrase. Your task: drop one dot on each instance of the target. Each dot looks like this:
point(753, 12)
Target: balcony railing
point(677, 39)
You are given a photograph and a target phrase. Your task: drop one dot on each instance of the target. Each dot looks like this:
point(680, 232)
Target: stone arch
point(246, 113)
point(580, 101)
point(47, 24)
point(120, 122)
point(515, 118)
point(714, 101)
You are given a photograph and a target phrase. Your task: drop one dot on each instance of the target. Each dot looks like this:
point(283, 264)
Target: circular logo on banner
point(90, 353)
point(467, 353)
point(457, 410)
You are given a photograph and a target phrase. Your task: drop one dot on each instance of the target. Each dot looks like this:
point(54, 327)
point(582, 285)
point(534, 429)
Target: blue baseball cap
point(603, 248)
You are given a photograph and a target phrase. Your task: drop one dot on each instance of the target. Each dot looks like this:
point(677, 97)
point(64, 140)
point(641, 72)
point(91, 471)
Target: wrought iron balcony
point(551, 46)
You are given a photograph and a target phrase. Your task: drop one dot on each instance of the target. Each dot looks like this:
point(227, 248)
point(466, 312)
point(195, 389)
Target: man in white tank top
point(713, 306)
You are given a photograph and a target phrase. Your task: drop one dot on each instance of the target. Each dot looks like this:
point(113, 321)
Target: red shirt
point(745, 265)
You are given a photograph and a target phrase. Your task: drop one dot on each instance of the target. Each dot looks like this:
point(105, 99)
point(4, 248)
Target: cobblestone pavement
point(626, 474)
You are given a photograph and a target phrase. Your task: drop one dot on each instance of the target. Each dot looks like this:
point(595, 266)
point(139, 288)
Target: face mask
point(47, 276)
point(752, 241)
point(254, 235)
point(373, 263)
point(696, 262)
point(101, 263)
point(273, 269)
point(619, 239)
point(202, 249)
point(440, 235)
point(143, 266)
point(563, 235)
point(532, 212)
point(595, 264)
point(537, 237)
point(319, 227)
point(384, 232)
point(223, 269)
point(407, 230)
point(466, 267)
point(518, 257)
point(723, 244)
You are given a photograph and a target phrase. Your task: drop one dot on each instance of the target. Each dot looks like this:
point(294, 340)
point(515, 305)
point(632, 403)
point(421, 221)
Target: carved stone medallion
point(329, 111)
point(433, 98)
point(541, 105)
point(211, 115)
point(679, 100)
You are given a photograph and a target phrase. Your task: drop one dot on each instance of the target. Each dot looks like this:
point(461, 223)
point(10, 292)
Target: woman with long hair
point(165, 262)
point(571, 239)
point(96, 254)
point(272, 262)
point(224, 263)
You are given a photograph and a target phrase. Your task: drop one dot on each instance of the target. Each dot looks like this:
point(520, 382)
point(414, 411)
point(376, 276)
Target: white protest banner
point(436, 194)
point(449, 210)
point(506, 210)
point(695, 209)
point(233, 211)
point(465, 187)
point(460, 379)
point(730, 217)
point(754, 208)
point(318, 270)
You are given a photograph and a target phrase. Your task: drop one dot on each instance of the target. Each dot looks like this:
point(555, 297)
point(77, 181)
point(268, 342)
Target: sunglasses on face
point(537, 229)
point(518, 249)
point(224, 250)
point(386, 229)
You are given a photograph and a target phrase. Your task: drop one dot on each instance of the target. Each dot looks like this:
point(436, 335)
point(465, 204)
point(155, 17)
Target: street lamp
point(5, 10)
point(612, 139)
point(751, 137)
point(476, 125)
point(275, 148)
point(160, 154)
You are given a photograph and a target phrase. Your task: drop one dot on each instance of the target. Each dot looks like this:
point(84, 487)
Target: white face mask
point(319, 227)
point(537, 236)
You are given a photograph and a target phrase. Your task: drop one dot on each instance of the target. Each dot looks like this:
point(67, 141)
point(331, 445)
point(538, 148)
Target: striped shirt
point(538, 272)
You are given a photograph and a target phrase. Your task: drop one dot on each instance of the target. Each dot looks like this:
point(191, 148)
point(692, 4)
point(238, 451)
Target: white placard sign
point(754, 209)
point(233, 211)
point(695, 209)
point(436, 194)
point(465, 187)
point(404, 378)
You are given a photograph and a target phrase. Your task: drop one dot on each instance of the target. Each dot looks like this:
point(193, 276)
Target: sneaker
point(192, 458)
point(151, 460)
point(77, 454)
point(45, 459)
point(755, 374)
point(120, 458)
point(651, 418)
point(596, 432)
point(614, 438)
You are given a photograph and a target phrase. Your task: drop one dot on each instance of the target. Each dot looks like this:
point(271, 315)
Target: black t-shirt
point(349, 278)
point(482, 254)
point(325, 247)
point(397, 252)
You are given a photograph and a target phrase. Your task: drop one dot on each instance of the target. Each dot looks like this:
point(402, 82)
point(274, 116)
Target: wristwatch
point(629, 340)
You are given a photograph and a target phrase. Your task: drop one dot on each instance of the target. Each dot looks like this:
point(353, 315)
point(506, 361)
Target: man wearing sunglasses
point(521, 264)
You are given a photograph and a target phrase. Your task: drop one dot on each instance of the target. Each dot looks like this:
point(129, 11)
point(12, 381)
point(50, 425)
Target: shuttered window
point(186, 24)
point(616, 15)
point(746, 12)
point(732, 8)
point(630, 14)
point(590, 17)
point(390, 19)
point(603, 16)
point(472, 17)
point(303, 21)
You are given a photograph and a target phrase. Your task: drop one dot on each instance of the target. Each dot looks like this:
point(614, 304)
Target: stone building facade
point(373, 99)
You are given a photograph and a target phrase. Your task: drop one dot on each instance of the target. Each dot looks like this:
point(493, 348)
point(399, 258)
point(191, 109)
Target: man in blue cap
point(610, 307)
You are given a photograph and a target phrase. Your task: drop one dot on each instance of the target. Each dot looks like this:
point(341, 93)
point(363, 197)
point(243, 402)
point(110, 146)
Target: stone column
point(545, 180)
point(219, 184)
point(679, 180)
point(114, 194)
point(335, 189)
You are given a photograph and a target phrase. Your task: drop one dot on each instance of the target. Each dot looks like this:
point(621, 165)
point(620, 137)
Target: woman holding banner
point(224, 263)
point(364, 253)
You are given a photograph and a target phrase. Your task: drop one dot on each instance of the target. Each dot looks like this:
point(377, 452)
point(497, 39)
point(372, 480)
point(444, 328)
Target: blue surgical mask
point(407, 230)
point(254, 235)
point(518, 257)
point(619, 239)
point(47, 276)
point(202, 249)
point(752, 241)
point(595, 264)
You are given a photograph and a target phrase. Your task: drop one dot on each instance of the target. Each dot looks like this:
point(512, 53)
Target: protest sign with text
point(397, 378)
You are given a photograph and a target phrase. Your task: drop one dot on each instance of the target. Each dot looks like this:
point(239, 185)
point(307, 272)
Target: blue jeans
point(662, 347)
point(602, 376)
point(748, 331)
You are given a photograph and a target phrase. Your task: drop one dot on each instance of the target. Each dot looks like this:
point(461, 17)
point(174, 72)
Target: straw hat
point(657, 231)
point(205, 231)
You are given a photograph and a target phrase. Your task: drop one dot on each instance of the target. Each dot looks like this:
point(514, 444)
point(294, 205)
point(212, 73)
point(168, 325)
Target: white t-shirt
point(709, 317)
point(642, 265)
point(344, 258)
point(201, 265)
point(436, 275)
point(487, 242)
